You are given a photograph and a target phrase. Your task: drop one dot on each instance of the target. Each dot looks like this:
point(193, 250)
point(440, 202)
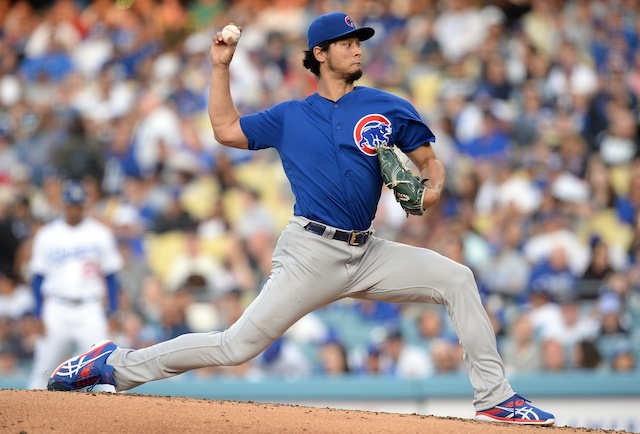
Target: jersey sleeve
point(112, 260)
point(38, 263)
point(264, 129)
point(412, 131)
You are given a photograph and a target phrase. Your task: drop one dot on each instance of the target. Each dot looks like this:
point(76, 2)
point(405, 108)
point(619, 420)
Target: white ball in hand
point(231, 32)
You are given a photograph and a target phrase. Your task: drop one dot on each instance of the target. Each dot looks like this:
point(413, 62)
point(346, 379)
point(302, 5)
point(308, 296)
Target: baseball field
point(27, 411)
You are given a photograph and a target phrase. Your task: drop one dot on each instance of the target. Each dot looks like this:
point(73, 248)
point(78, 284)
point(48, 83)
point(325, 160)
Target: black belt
point(73, 301)
point(353, 238)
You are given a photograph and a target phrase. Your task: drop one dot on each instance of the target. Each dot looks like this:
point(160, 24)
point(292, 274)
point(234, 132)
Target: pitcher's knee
point(235, 361)
point(231, 349)
point(239, 352)
point(465, 279)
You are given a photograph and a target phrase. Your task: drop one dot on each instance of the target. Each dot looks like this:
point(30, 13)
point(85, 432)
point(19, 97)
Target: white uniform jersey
point(75, 259)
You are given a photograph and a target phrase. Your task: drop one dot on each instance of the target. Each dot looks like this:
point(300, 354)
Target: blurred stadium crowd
point(535, 109)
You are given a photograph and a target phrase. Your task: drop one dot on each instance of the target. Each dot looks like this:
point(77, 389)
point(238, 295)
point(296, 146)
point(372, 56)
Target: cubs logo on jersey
point(370, 131)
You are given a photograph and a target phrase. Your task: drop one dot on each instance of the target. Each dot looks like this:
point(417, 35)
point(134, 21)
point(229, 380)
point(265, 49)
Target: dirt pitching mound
point(29, 411)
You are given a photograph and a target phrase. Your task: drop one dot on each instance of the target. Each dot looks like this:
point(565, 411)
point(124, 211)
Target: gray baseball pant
point(310, 271)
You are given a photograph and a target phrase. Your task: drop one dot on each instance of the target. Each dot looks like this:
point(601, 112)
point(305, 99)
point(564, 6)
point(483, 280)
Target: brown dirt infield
point(30, 411)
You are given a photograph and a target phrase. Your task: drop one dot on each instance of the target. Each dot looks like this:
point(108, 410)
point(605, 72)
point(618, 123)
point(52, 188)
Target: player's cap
point(336, 25)
point(74, 193)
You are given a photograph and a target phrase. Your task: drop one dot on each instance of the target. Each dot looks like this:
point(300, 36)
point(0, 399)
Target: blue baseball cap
point(336, 25)
point(74, 193)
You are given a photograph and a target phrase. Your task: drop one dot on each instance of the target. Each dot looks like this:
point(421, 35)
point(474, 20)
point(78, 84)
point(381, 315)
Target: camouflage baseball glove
point(407, 187)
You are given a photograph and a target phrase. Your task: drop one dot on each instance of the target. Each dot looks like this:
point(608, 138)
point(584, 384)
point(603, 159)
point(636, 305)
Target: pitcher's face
point(344, 59)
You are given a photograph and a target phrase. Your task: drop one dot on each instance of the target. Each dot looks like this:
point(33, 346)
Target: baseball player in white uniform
point(74, 259)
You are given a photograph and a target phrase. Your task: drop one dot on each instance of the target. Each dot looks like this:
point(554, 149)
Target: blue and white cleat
point(85, 371)
point(516, 410)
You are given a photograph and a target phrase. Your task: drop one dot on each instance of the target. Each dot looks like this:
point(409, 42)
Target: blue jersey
point(328, 152)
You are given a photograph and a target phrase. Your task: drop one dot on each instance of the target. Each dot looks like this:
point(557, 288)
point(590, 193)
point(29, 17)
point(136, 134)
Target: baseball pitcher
point(329, 144)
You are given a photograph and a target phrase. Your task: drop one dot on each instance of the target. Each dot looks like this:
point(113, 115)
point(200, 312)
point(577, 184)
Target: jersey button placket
point(343, 163)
